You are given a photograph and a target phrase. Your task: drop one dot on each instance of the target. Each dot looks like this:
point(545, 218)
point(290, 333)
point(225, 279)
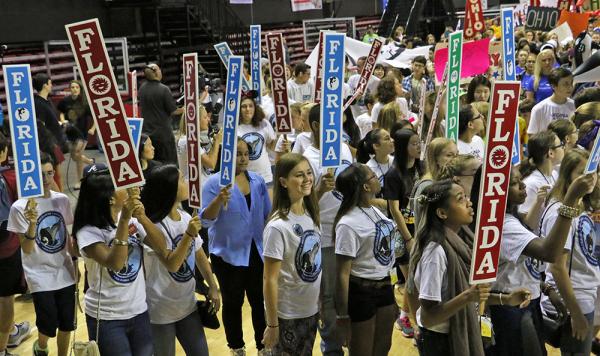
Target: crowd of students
point(319, 249)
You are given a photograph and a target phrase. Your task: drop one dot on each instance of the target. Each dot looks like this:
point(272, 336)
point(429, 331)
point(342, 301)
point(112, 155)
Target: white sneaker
point(238, 352)
point(23, 331)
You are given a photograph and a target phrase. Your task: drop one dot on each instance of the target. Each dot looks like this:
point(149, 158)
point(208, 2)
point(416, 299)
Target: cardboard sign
point(135, 127)
point(541, 18)
point(134, 93)
point(231, 114)
point(475, 58)
point(23, 130)
point(319, 76)
point(255, 71)
point(434, 115)
point(224, 53)
point(87, 44)
point(588, 5)
point(191, 94)
point(332, 100)
point(495, 181)
point(474, 21)
point(422, 106)
point(367, 71)
point(563, 4)
point(577, 22)
point(455, 43)
point(283, 119)
point(508, 44)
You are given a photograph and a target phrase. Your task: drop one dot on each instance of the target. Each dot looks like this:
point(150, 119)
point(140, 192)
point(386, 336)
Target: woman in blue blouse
point(235, 218)
point(537, 87)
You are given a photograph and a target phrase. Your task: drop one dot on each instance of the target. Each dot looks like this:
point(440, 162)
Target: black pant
point(432, 343)
point(234, 281)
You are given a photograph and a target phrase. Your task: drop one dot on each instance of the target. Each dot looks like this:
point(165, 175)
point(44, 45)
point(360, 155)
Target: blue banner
point(332, 100)
point(516, 151)
point(230, 119)
point(23, 130)
point(225, 53)
point(255, 60)
point(594, 160)
point(508, 44)
point(135, 126)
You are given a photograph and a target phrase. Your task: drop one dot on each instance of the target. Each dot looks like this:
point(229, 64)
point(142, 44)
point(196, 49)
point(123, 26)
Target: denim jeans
point(189, 331)
point(329, 346)
point(130, 337)
point(518, 331)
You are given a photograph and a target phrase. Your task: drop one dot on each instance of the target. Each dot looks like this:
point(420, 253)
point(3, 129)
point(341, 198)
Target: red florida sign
point(474, 22)
point(279, 83)
point(367, 71)
point(105, 102)
point(318, 78)
point(495, 180)
point(190, 88)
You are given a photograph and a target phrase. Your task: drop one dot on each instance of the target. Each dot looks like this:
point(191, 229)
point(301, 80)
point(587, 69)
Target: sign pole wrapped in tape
point(319, 76)
point(191, 94)
point(367, 71)
point(231, 114)
point(455, 44)
point(496, 177)
point(134, 93)
point(255, 55)
point(332, 100)
point(224, 53)
point(105, 102)
point(283, 120)
point(23, 130)
point(434, 114)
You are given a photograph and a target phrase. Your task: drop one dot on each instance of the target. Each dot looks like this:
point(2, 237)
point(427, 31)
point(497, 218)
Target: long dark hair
point(93, 204)
point(538, 147)
point(259, 114)
point(401, 142)
point(351, 128)
point(349, 183)
point(160, 192)
point(477, 81)
point(365, 146)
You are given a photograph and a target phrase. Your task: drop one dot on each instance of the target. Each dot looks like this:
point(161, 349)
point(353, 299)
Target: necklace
point(379, 166)
point(549, 181)
point(370, 218)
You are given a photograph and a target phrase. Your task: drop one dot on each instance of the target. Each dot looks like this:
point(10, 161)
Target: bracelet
point(272, 326)
point(120, 243)
point(500, 295)
point(28, 237)
point(568, 212)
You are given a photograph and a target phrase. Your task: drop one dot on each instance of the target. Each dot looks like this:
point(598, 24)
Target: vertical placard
point(191, 94)
point(231, 114)
point(283, 119)
point(455, 43)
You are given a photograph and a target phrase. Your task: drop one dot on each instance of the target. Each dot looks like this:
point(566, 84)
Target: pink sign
point(475, 59)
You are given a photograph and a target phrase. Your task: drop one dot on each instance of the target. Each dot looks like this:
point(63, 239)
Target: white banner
point(304, 5)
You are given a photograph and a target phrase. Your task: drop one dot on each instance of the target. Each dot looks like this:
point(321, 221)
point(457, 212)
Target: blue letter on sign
point(225, 53)
point(331, 99)
point(23, 130)
point(508, 44)
point(230, 119)
point(135, 126)
point(255, 59)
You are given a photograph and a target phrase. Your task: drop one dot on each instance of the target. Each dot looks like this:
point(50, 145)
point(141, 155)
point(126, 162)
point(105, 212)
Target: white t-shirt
point(378, 106)
point(366, 235)
point(303, 140)
point(257, 139)
point(123, 292)
point(546, 111)
point(516, 270)
point(291, 137)
point(48, 266)
point(296, 242)
point(380, 169)
point(183, 161)
point(585, 273)
point(431, 281)
point(266, 103)
point(170, 295)
point(300, 92)
point(329, 204)
point(371, 88)
point(364, 123)
point(475, 148)
point(533, 182)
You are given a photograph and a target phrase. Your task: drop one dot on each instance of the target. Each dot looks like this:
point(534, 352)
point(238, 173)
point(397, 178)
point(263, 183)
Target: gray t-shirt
point(157, 104)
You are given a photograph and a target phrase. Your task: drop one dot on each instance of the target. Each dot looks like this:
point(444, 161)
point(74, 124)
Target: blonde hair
point(436, 147)
point(389, 115)
point(537, 71)
point(586, 112)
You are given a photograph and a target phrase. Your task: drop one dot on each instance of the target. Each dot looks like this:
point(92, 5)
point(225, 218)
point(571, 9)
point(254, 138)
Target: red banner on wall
point(279, 83)
point(190, 88)
point(105, 102)
point(496, 177)
point(474, 22)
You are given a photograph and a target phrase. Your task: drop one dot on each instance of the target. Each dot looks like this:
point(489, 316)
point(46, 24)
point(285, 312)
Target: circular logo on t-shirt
point(255, 142)
point(129, 272)
point(51, 232)
point(345, 164)
point(308, 255)
point(383, 245)
point(533, 265)
point(586, 237)
point(185, 272)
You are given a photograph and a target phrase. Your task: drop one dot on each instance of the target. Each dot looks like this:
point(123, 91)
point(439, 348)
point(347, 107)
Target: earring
point(111, 201)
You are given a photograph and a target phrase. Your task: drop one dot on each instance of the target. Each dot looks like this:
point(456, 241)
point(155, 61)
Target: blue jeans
point(130, 337)
point(189, 331)
point(518, 331)
point(329, 346)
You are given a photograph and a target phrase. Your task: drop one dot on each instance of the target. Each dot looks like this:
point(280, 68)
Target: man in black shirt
point(43, 107)
point(157, 105)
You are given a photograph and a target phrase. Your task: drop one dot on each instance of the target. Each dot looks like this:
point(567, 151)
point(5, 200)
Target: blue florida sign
point(225, 53)
point(23, 130)
point(230, 119)
point(255, 55)
point(332, 100)
point(508, 44)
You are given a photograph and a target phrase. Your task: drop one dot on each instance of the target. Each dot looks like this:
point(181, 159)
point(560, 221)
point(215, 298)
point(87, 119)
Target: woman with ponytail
point(375, 151)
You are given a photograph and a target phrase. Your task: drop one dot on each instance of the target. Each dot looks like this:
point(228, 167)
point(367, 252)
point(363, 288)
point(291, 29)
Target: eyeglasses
point(560, 145)
point(374, 176)
point(480, 116)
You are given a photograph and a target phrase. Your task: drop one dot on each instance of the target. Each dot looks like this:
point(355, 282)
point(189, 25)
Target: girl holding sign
point(364, 246)
point(292, 252)
point(170, 291)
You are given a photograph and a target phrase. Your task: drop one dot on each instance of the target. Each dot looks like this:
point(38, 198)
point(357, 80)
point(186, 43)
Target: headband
point(590, 136)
